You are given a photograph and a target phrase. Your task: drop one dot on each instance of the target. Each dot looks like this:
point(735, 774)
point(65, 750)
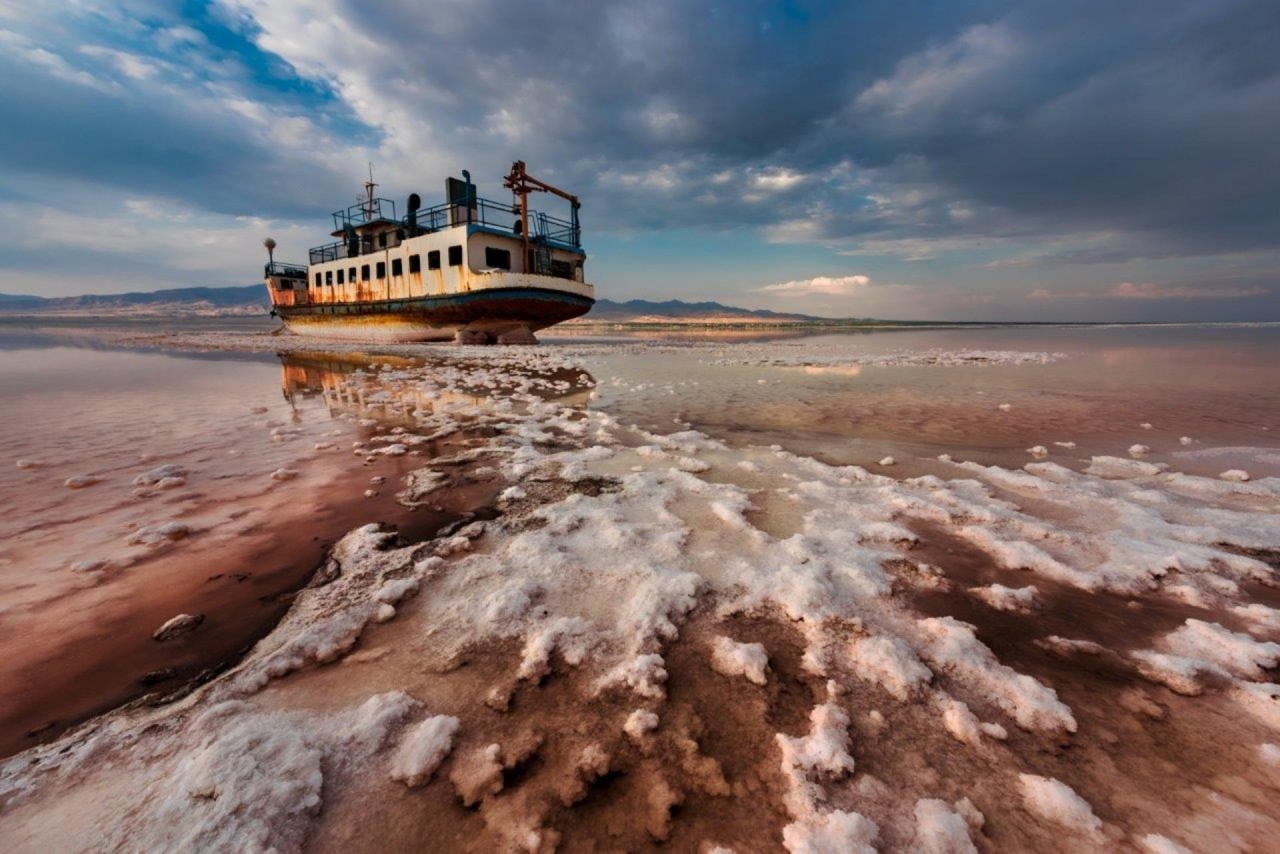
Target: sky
point(960, 159)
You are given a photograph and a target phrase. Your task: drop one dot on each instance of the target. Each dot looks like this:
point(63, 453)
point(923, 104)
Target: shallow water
point(1219, 386)
point(79, 601)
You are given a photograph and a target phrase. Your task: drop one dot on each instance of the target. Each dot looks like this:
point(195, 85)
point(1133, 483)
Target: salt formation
point(740, 659)
point(650, 620)
point(1055, 801)
point(183, 624)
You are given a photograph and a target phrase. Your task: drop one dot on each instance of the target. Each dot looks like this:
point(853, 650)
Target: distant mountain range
point(252, 299)
point(249, 299)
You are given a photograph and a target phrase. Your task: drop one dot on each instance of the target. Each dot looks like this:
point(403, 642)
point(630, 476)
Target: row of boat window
point(499, 258)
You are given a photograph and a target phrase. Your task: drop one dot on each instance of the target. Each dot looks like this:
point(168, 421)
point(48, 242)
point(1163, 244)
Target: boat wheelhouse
point(471, 270)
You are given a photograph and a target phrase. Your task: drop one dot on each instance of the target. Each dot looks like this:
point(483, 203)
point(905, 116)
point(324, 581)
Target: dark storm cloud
point(1158, 121)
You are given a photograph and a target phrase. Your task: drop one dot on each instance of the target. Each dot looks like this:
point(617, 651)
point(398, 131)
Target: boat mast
point(367, 201)
point(521, 184)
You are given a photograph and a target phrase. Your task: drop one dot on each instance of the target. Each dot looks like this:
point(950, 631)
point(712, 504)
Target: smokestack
point(412, 220)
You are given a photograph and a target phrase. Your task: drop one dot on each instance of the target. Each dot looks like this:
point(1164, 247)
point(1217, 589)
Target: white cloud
point(935, 78)
point(827, 285)
point(777, 180)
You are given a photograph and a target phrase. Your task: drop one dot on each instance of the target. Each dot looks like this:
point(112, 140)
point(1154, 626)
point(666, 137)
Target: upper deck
point(373, 226)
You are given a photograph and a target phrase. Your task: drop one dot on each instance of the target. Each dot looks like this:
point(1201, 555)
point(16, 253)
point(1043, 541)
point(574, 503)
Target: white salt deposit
point(1238, 475)
point(953, 646)
point(183, 624)
point(1156, 844)
point(639, 723)
point(1235, 652)
point(889, 663)
point(887, 461)
point(80, 481)
point(423, 749)
point(1057, 802)
point(740, 659)
point(152, 476)
point(1139, 450)
point(161, 534)
point(940, 829)
point(1021, 599)
point(1038, 451)
point(281, 474)
point(1186, 440)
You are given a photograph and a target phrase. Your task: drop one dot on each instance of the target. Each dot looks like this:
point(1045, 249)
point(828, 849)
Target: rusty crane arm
point(521, 184)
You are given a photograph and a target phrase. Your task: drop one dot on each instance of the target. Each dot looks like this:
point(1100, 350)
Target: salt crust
point(1198, 649)
point(889, 663)
point(940, 829)
point(731, 658)
point(1021, 599)
point(639, 723)
point(658, 540)
point(1057, 802)
point(1156, 844)
point(822, 754)
point(423, 749)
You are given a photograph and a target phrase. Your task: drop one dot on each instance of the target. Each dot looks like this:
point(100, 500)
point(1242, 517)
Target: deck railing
point(285, 270)
point(544, 229)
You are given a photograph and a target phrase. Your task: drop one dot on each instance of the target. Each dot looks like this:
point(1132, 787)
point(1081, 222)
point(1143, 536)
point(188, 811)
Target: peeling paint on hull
point(493, 311)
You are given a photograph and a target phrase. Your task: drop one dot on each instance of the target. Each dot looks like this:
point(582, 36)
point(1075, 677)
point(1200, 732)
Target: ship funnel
point(270, 243)
point(411, 220)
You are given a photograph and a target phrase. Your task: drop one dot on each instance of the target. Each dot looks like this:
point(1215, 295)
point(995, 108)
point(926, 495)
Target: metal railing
point(545, 229)
point(285, 270)
point(364, 212)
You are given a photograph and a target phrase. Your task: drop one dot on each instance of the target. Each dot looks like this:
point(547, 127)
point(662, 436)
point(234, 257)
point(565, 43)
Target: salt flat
point(704, 610)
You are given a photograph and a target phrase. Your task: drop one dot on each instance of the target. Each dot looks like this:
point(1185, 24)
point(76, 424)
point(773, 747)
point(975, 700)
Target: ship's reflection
point(390, 389)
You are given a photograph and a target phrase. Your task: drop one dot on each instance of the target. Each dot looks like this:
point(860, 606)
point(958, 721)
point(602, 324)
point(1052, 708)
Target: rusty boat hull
point(502, 315)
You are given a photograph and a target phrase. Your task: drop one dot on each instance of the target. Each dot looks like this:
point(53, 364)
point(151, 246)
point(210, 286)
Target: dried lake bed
point(946, 590)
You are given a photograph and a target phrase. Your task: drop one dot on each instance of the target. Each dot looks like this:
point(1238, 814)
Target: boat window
point(500, 258)
point(397, 267)
point(340, 277)
point(317, 280)
point(415, 263)
point(433, 259)
point(382, 240)
point(364, 273)
point(328, 277)
point(455, 256)
point(382, 269)
point(351, 275)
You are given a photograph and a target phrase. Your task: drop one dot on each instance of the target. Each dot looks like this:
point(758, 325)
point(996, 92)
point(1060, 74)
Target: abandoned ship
point(471, 270)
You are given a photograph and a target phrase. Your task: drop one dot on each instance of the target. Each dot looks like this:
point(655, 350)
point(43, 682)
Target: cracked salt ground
point(665, 639)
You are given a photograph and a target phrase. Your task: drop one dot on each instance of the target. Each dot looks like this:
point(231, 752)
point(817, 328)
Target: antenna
point(368, 191)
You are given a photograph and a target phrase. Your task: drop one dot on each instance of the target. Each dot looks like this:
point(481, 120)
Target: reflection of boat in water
point(329, 375)
point(471, 269)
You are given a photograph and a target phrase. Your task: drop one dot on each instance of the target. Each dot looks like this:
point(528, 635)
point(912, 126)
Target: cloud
point(979, 140)
point(828, 285)
point(1152, 291)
